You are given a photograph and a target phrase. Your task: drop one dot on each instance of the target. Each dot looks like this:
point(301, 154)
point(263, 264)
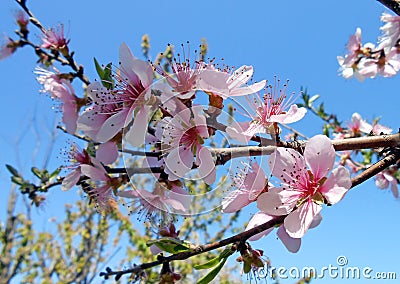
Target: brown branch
point(379, 166)
point(369, 142)
point(393, 5)
point(390, 159)
point(69, 57)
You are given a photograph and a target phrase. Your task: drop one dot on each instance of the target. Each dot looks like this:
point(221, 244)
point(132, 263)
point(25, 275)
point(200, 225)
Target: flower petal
point(178, 162)
point(320, 156)
point(286, 164)
point(206, 165)
point(71, 179)
point(292, 115)
point(113, 125)
point(137, 133)
point(107, 153)
point(235, 201)
point(94, 173)
point(246, 90)
point(258, 219)
point(277, 202)
point(299, 221)
point(337, 184)
point(292, 244)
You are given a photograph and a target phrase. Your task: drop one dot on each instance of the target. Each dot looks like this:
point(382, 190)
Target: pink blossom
point(158, 206)
point(107, 152)
point(182, 137)
point(22, 19)
point(349, 71)
point(112, 109)
point(304, 190)
point(386, 65)
point(77, 157)
point(54, 38)
point(292, 244)
point(61, 89)
point(184, 77)
point(358, 124)
point(266, 112)
point(386, 178)
point(227, 84)
point(102, 192)
point(354, 48)
point(391, 29)
point(8, 47)
point(249, 184)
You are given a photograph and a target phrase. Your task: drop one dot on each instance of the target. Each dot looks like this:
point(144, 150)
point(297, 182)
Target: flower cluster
point(367, 60)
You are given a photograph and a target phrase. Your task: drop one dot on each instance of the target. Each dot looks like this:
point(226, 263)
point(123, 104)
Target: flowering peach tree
point(185, 122)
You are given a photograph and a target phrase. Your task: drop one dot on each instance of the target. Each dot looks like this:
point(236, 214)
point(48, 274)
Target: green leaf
point(212, 274)
point(18, 180)
point(211, 263)
point(105, 74)
point(12, 170)
point(37, 172)
point(313, 98)
point(170, 245)
point(55, 173)
point(99, 70)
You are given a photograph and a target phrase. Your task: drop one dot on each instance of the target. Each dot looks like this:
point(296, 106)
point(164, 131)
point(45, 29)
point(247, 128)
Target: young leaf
point(12, 170)
point(99, 70)
point(170, 245)
point(37, 172)
point(212, 274)
point(211, 263)
point(18, 180)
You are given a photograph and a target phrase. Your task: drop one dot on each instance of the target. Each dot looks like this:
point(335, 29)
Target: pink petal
point(254, 128)
point(137, 133)
point(135, 67)
point(298, 221)
point(236, 130)
point(320, 156)
point(128, 193)
point(175, 204)
point(293, 114)
point(284, 162)
point(235, 201)
point(94, 173)
point(279, 202)
point(258, 219)
point(248, 89)
point(393, 184)
point(337, 184)
point(71, 179)
point(381, 181)
point(113, 125)
point(255, 181)
point(316, 221)
point(206, 165)
point(70, 116)
point(107, 153)
point(214, 81)
point(292, 244)
point(90, 122)
point(240, 76)
point(178, 162)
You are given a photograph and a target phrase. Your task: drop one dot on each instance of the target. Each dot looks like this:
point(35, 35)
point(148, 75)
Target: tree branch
point(393, 5)
point(390, 159)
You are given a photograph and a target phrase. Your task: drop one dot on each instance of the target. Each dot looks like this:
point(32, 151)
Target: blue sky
point(295, 40)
